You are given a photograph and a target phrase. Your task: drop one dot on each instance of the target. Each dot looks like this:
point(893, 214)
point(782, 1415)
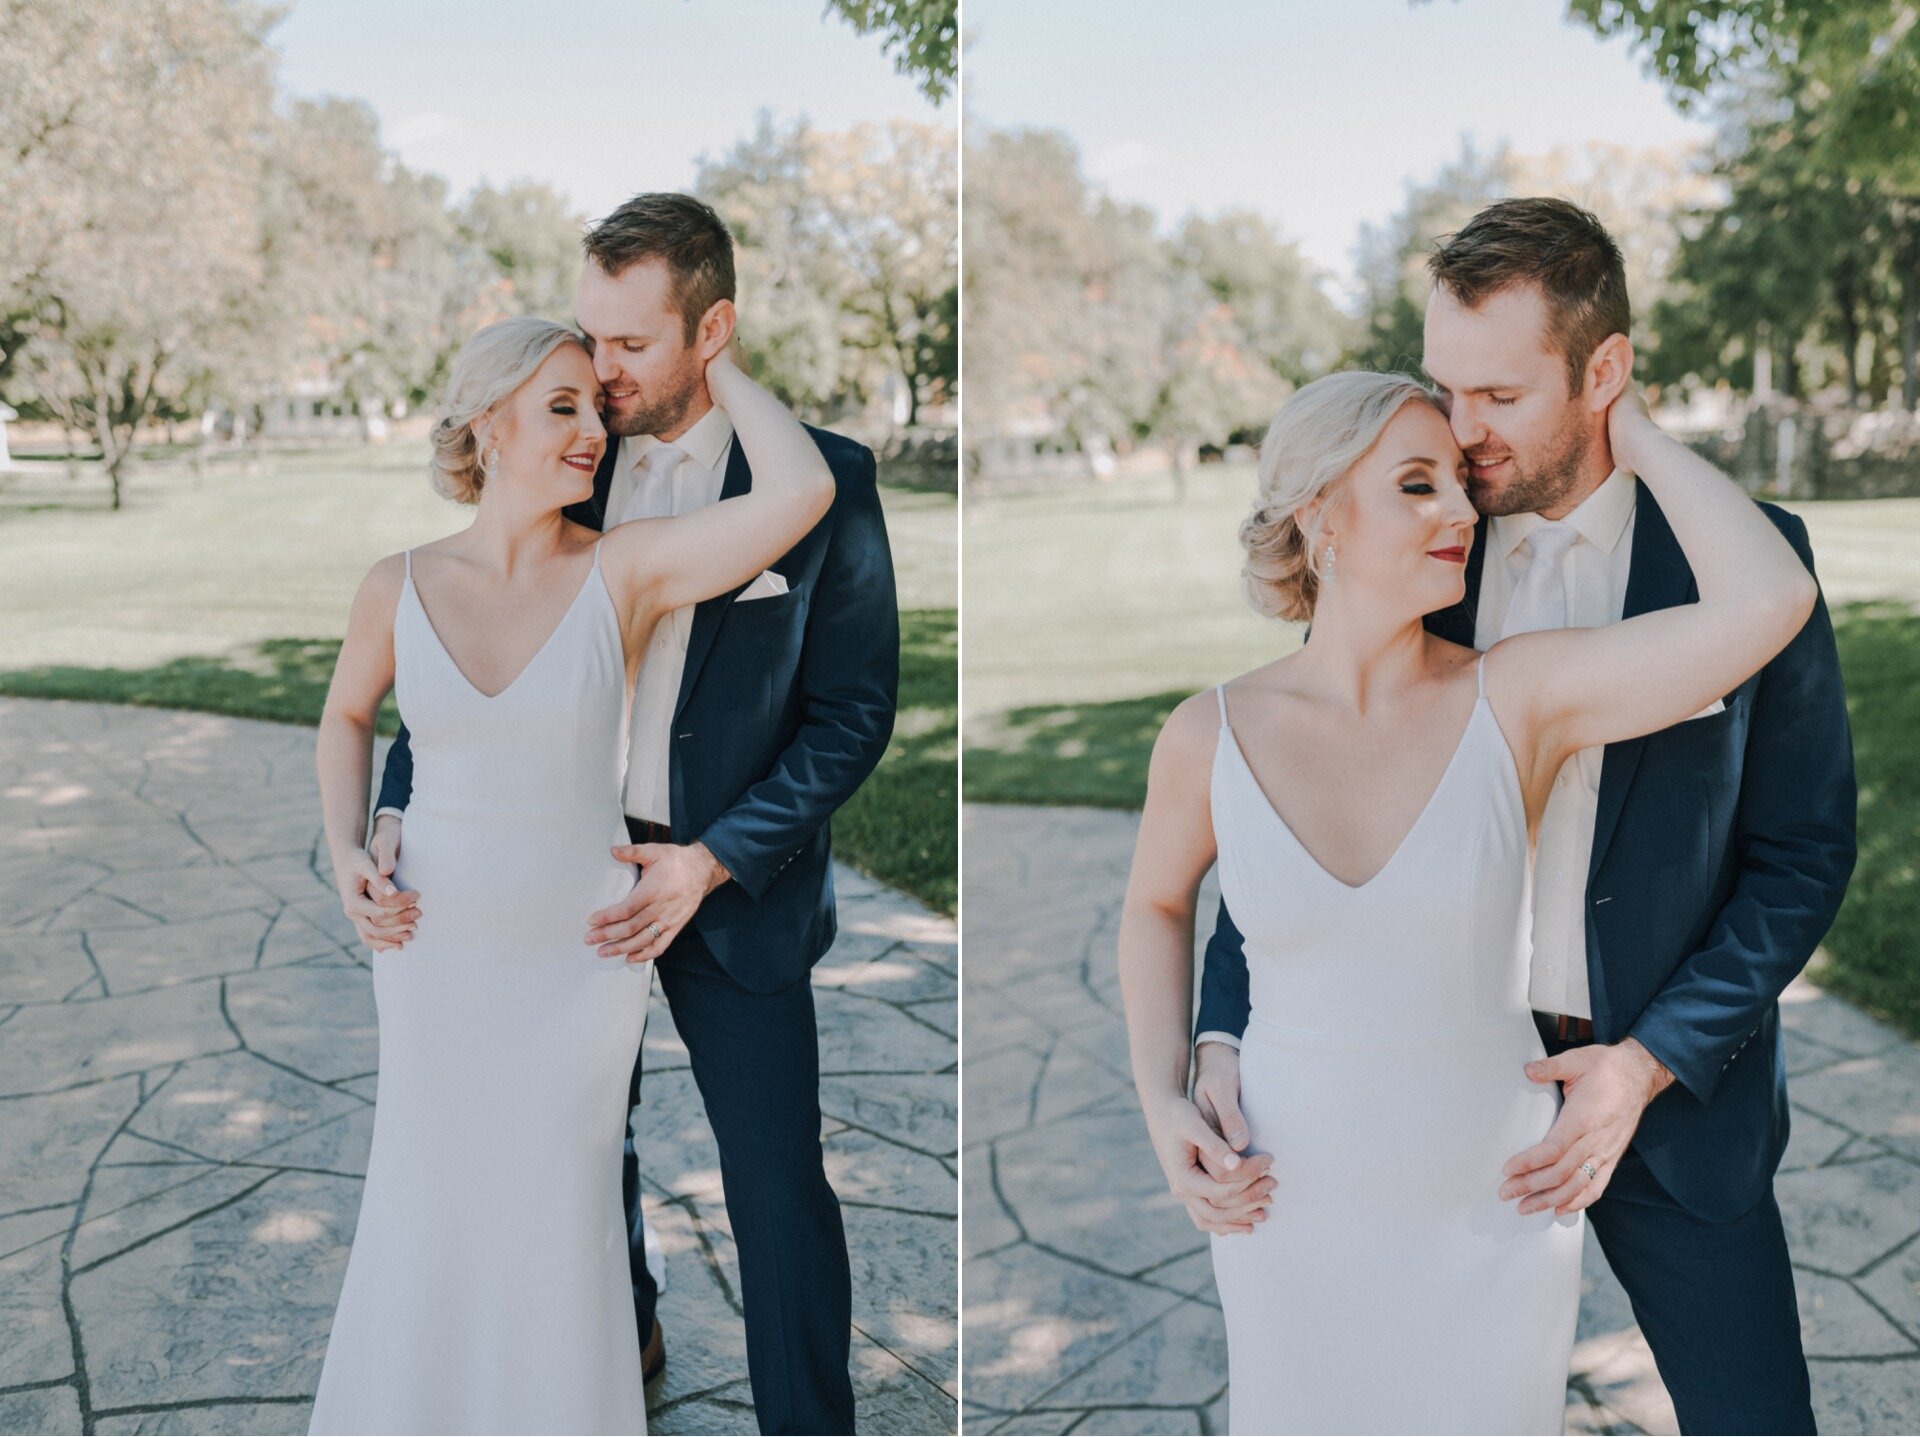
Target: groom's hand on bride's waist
point(1607, 1086)
point(674, 880)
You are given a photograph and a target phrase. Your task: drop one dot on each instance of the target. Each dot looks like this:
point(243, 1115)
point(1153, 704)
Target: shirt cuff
point(380, 813)
point(1213, 1037)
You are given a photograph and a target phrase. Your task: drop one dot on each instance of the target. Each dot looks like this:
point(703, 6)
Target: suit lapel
point(1658, 577)
point(707, 616)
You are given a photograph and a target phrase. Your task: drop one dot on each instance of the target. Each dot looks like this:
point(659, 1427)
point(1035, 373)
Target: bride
point(487, 1290)
point(1370, 800)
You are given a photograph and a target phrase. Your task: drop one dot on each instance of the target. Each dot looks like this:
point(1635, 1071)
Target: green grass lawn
point(1873, 953)
point(229, 594)
point(1091, 612)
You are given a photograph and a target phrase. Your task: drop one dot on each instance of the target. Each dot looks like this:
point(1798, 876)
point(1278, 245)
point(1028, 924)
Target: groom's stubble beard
point(1541, 481)
point(664, 411)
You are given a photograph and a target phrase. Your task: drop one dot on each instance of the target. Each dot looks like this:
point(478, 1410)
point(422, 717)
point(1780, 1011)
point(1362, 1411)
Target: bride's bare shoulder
point(1186, 742)
point(378, 598)
point(385, 579)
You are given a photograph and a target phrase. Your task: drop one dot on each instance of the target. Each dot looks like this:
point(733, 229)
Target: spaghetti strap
point(408, 556)
point(1480, 675)
point(1220, 693)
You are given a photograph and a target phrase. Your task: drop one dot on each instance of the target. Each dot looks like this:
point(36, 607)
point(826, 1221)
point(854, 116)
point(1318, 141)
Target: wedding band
point(1590, 1170)
point(654, 929)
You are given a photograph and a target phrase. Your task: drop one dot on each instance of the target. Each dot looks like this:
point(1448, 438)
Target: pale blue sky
point(1314, 112)
point(598, 98)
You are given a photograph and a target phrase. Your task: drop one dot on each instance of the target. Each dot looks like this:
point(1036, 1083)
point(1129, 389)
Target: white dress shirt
point(1594, 572)
point(640, 491)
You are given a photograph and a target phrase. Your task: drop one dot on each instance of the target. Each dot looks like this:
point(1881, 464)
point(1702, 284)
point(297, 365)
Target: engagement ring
point(1591, 1171)
point(654, 929)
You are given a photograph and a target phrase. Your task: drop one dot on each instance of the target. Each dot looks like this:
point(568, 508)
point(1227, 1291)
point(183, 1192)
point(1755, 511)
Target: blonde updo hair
point(1320, 433)
point(490, 366)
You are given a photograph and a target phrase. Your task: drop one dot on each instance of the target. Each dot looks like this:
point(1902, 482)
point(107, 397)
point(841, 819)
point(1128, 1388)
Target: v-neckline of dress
point(545, 643)
point(1406, 838)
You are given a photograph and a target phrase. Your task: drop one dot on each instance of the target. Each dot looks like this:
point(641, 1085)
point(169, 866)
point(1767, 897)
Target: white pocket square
point(1718, 706)
point(769, 585)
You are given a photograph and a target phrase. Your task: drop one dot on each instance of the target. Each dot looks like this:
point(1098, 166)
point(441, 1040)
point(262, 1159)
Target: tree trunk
point(1849, 333)
point(111, 454)
point(1911, 323)
point(1177, 451)
point(114, 456)
point(1910, 336)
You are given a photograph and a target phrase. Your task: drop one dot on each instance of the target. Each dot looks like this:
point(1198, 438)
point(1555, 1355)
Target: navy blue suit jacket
point(786, 704)
point(1721, 852)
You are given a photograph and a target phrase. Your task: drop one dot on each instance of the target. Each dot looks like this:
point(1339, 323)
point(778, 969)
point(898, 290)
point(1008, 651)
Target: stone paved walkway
point(187, 1054)
point(1089, 1296)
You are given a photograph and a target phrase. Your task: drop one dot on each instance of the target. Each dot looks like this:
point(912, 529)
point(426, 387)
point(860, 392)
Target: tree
point(1637, 194)
point(372, 281)
point(527, 234)
point(1393, 257)
point(922, 36)
point(1846, 71)
point(892, 194)
point(1859, 59)
point(1816, 267)
point(127, 152)
point(847, 255)
point(1083, 320)
point(1275, 295)
point(1034, 240)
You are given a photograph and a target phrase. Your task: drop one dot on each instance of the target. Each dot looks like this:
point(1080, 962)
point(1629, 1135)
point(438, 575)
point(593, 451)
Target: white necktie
point(657, 686)
point(1540, 598)
point(659, 464)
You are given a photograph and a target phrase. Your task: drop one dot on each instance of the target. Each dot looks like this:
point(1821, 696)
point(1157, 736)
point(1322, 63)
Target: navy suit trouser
point(756, 1061)
point(1715, 1301)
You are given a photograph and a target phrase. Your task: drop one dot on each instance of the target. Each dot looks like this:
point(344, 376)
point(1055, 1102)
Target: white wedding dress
point(488, 1286)
point(1390, 1289)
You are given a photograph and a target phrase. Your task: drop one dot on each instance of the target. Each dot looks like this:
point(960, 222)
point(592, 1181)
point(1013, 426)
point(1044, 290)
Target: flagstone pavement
point(1089, 1296)
point(187, 1076)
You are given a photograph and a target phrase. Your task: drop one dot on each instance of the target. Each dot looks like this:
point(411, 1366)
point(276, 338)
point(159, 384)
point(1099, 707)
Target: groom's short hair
point(1555, 246)
point(682, 231)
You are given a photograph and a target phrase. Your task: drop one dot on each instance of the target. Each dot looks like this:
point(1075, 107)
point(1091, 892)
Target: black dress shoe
point(653, 1357)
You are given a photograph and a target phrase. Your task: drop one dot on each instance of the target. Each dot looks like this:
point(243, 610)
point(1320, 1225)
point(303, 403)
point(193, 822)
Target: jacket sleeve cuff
point(723, 845)
point(1215, 1036)
point(380, 813)
point(1667, 1042)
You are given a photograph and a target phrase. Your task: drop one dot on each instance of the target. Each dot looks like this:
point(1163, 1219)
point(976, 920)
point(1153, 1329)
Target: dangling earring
point(491, 464)
point(1326, 567)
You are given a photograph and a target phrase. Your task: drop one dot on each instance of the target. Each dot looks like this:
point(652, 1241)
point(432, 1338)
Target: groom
point(754, 717)
point(1680, 880)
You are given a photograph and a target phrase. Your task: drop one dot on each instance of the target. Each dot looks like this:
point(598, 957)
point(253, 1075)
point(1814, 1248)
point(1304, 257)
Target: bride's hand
point(382, 913)
point(1223, 1192)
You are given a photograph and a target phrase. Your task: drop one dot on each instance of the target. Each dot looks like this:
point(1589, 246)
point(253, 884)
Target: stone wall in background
point(1799, 452)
